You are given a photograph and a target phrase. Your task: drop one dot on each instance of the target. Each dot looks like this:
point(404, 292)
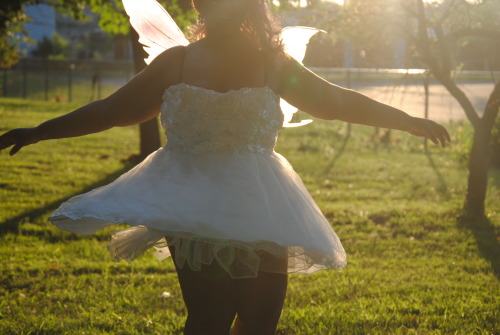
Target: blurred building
point(42, 24)
point(85, 38)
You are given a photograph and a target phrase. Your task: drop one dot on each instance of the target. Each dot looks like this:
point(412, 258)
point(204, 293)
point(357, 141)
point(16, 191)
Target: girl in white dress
point(232, 212)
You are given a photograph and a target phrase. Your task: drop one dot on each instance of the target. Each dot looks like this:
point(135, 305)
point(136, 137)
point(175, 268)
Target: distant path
point(442, 106)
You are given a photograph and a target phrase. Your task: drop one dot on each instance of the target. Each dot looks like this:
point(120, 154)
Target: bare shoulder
point(166, 66)
point(147, 87)
point(276, 64)
point(170, 56)
point(289, 74)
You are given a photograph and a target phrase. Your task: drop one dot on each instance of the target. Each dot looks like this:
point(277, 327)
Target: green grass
point(416, 265)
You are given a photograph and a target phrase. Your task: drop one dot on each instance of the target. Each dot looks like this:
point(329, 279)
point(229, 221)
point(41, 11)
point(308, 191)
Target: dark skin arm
point(137, 101)
point(322, 99)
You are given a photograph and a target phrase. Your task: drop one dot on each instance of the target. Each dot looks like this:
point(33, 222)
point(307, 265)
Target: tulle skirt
point(227, 208)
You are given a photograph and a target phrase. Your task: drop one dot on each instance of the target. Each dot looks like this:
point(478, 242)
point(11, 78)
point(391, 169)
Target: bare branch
point(443, 48)
point(441, 71)
point(461, 98)
point(423, 41)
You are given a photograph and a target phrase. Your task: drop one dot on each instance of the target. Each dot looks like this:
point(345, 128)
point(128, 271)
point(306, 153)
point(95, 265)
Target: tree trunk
point(149, 132)
point(480, 155)
point(478, 170)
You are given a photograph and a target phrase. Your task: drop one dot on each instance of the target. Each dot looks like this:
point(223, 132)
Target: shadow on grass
point(442, 186)
point(486, 238)
point(11, 225)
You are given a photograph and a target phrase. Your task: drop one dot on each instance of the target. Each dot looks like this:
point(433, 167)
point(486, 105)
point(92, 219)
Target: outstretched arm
point(322, 99)
point(137, 101)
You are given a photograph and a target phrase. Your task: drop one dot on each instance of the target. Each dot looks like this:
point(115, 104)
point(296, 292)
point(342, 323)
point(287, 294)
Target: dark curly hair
point(260, 25)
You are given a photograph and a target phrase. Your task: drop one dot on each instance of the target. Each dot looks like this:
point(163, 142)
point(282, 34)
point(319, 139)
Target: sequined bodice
point(199, 120)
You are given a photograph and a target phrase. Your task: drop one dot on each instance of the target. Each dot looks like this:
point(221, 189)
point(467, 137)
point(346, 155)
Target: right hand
point(429, 129)
point(18, 138)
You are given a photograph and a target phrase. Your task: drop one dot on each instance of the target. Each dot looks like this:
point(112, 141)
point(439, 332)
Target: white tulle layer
point(222, 207)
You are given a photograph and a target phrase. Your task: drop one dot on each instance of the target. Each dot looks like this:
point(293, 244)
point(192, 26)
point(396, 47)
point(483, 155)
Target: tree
point(364, 29)
point(370, 30)
point(12, 18)
point(436, 51)
point(436, 33)
point(56, 47)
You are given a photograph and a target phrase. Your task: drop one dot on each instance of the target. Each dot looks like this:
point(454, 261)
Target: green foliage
point(369, 29)
point(53, 48)
point(9, 55)
point(375, 29)
point(91, 46)
point(463, 142)
point(415, 265)
point(372, 29)
point(183, 15)
point(495, 144)
point(12, 18)
point(113, 18)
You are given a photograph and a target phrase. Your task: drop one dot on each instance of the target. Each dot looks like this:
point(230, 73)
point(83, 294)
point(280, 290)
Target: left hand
point(19, 138)
point(429, 129)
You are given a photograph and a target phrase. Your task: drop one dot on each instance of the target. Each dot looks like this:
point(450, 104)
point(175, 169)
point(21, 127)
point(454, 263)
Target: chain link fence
point(64, 80)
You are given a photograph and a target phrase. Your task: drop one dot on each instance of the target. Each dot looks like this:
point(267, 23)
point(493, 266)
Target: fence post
point(348, 78)
point(426, 89)
point(71, 68)
point(46, 83)
point(349, 125)
point(25, 79)
point(99, 92)
point(4, 93)
point(426, 102)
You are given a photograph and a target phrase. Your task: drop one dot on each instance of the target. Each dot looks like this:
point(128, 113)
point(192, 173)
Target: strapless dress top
point(199, 120)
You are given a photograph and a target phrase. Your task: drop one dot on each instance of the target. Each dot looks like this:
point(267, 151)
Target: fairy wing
point(158, 32)
point(156, 29)
point(295, 40)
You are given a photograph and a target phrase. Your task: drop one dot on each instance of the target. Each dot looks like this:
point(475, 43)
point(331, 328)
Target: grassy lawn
point(416, 265)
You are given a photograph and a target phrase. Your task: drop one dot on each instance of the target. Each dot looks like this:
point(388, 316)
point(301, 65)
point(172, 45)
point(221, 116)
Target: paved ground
point(442, 106)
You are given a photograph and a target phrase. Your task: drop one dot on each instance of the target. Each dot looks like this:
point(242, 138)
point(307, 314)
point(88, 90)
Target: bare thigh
point(209, 296)
point(260, 300)
point(213, 299)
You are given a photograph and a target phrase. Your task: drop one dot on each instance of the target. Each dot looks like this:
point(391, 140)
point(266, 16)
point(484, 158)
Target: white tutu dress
point(216, 192)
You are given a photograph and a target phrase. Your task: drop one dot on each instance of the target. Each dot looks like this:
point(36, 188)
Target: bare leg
point(213, 298)
point(260, 301)
point(209, 296)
